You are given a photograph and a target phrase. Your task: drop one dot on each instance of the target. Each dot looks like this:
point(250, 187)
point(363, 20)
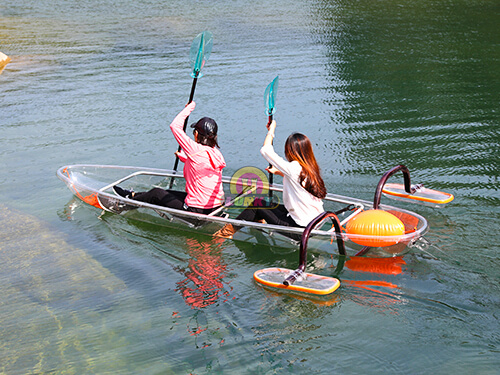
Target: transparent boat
point(93, 184)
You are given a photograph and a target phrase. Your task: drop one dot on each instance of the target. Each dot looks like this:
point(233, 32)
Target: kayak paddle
point(269, 100)
point(198, 55)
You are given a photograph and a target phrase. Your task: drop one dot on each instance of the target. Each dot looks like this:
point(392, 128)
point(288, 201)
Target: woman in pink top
point(203, 164)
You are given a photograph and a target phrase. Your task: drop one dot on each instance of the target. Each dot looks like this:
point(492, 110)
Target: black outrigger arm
point(408, 187)
point(303, 243)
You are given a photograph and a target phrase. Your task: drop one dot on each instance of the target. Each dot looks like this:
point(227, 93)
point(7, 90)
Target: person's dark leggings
point(169, 198)
point(276, 216)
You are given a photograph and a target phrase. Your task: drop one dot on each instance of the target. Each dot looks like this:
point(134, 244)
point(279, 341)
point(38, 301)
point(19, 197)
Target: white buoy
point(4, 60)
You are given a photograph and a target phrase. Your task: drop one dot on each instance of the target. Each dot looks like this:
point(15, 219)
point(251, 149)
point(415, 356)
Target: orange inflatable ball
point(376, 224)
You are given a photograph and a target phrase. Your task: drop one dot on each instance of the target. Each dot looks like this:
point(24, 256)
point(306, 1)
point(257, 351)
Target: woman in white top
point(303, 187)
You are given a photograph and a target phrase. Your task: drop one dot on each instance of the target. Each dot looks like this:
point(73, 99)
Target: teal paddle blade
point(200, 52)
point(270, 96)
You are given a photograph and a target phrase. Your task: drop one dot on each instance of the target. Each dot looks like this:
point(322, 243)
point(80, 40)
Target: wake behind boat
point(93, 184)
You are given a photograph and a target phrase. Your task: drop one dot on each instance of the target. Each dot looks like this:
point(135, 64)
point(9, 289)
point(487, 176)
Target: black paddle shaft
point(191, 96)
point(271, 176)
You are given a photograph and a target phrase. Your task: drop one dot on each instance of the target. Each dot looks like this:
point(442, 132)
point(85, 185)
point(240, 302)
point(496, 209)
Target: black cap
point(206, 126)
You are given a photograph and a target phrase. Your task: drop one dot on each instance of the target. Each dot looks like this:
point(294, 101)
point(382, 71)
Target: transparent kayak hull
point(93, 185)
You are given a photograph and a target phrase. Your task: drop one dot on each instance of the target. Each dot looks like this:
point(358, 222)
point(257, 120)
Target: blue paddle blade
point(200, 52)
point(270, 96)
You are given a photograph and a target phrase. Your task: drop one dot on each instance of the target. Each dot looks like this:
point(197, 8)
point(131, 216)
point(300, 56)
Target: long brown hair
point(298, 147)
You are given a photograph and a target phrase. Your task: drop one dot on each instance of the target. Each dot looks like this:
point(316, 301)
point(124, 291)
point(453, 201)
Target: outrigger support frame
point(305, 237)
point(408, 187)
point(378, 192)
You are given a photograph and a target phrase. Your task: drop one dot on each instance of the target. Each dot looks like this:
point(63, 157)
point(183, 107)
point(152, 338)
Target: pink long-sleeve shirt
point(202, 166)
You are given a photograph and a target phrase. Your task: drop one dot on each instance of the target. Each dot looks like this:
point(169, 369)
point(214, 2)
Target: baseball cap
point(205, 126)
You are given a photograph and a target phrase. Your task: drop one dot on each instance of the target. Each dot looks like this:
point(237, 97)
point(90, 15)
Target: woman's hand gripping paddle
point(198, 55)
point(269, 100)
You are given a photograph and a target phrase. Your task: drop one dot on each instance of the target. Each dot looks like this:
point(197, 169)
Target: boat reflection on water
point(328, 300)
point(376, 291)
point(203, 284)
point(204, 272)
point(386, 266)
point(203, 281)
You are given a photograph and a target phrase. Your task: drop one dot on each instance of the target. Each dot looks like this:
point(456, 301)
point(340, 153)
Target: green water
point(372, 83)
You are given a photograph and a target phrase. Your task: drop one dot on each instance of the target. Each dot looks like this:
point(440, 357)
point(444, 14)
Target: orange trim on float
point(297, 288)
point(449, 196)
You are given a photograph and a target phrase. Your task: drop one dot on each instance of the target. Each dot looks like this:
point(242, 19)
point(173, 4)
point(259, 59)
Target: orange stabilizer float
point(306, 282)
point(298, 280)
point(421, 195)
point(408, 192)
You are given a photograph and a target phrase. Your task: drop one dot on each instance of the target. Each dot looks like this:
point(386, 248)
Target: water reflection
point(387, 266)
point(203, 284)
point(397, 93)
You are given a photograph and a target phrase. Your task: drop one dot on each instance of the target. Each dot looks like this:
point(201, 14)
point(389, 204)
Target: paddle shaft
point(271, 176)
point(191, 96)
point(269, 101)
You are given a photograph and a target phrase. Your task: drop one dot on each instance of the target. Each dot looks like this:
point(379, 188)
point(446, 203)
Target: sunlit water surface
point(373, 84)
